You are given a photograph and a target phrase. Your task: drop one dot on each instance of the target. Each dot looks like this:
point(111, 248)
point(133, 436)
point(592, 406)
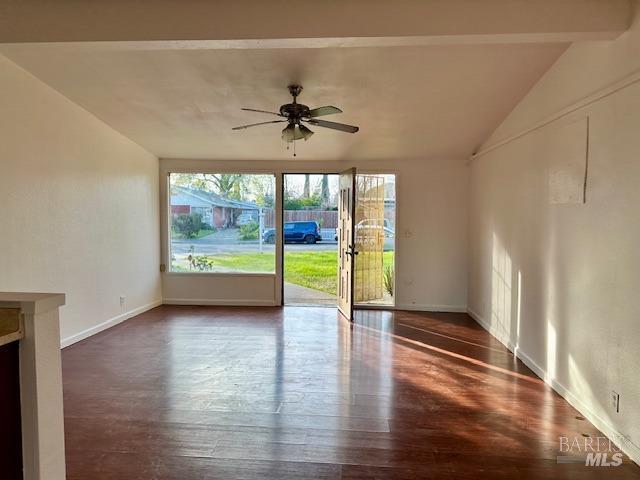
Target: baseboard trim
point(262, 303)
point(623, 442)
point(65, 342)
point(497, 334)
point(218, 302)
point(432, 308)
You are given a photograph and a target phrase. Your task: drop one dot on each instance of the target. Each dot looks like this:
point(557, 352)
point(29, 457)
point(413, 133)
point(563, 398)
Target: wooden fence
point(326, 218)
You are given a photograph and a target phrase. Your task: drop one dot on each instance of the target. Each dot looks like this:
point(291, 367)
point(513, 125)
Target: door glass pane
point(374, 238)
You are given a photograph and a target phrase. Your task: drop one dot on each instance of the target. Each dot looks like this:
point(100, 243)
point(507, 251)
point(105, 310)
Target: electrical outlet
point(615, 401)
point(122, 300)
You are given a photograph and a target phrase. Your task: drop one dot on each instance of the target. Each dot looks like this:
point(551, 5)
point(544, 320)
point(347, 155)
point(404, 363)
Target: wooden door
point(346, 249)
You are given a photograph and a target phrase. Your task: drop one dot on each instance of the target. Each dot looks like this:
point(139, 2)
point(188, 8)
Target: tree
point(262, 188)
point(306, 192)
point(224, 184)
point(324, 191)
point(228, 185)
point(258, 188)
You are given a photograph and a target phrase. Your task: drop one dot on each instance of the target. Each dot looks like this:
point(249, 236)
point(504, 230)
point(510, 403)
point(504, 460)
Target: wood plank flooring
point(295, 393)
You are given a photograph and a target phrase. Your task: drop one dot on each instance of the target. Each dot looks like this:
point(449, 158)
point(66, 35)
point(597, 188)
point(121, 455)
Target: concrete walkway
point(299, 295)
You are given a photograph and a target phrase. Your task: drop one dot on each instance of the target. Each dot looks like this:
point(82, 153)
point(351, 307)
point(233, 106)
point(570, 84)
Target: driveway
point(299, 295)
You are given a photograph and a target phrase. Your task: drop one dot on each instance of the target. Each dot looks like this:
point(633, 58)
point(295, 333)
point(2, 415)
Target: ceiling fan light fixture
point(294, 132)
point(289, 133)
point(305, 132)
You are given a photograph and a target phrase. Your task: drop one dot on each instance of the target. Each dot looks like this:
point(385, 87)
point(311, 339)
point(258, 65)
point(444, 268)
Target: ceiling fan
point(295, 114)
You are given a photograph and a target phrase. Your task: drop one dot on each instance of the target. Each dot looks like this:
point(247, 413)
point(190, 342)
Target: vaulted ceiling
point(421, 78)
point(410, 102)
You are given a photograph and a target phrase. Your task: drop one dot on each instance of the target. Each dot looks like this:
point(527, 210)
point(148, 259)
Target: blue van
point(306, 232)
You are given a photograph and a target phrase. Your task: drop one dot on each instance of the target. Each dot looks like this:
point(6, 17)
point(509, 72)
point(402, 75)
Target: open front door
point(369, 238)
point(347, 252)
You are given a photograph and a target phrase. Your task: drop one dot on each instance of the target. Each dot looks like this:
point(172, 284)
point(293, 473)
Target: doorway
point(311, 248)
point(374, 237)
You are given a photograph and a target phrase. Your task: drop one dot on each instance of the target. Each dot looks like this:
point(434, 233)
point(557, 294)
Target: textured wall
point(559, 280)
point(79, 207)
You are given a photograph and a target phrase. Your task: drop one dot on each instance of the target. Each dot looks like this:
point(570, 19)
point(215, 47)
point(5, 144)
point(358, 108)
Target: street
point(226, 241)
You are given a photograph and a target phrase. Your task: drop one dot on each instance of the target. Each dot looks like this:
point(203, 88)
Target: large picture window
point(222, 223)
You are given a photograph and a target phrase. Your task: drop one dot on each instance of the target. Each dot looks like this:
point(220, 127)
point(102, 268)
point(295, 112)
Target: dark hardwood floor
point(268, 393)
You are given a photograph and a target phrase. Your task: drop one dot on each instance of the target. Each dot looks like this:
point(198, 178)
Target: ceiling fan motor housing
point(294, 111)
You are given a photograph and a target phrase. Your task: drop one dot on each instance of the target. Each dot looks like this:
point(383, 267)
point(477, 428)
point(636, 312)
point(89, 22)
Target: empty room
point(330, 240)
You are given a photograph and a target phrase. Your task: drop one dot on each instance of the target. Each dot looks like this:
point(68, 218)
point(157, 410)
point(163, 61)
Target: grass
point(317, 270)
point(245, 262)
point(200, 234)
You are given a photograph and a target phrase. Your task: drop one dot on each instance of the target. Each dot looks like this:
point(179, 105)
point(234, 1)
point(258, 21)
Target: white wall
point(431, 229)
point(559, 283)
point(79, 207)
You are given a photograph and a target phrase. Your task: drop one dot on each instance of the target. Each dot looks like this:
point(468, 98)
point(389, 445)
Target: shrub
point(201, 263)
point(388, 279)
point(188, 225)
point(250, 231)
point(302, 203)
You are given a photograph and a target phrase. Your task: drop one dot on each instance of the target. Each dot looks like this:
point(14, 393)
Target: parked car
point(247, 217)
point(367, 226)
point(307, 232)
point(373, 224)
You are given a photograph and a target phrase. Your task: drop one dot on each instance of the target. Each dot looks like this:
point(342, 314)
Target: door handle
point(351, 251)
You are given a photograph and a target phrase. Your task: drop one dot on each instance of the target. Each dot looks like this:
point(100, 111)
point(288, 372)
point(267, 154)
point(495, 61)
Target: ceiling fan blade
point(333, 125)
point(320, 111)
point(261, 111)
point(295, 132)
point(256, 124)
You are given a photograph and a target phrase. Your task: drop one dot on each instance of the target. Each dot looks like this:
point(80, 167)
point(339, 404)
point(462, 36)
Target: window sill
point(220, 274)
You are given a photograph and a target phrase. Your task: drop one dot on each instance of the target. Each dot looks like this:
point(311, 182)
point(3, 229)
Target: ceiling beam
point(234, 21)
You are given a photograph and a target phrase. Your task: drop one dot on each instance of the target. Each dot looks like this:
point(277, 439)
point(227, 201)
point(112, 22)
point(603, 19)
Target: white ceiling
point(410, 102)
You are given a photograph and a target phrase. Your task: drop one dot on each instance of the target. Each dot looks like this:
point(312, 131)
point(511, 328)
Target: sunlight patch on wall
point(552, 345)
point(518, 311)
point(501, 288)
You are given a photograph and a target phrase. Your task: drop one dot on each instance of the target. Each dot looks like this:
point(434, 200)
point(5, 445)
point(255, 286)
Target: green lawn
point(317, 270)
point(200, 234)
